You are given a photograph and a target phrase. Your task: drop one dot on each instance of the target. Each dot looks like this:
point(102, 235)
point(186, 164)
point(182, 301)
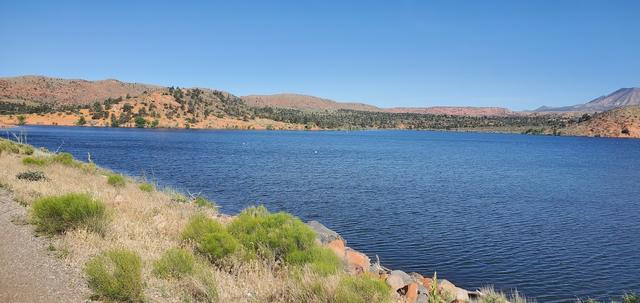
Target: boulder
point(338, 247)
point(426, 282)
point(422, 298)
point(323, 234)
point(416, 276)
point(412, 292)
point(357, 262)
point(405, 277)
point(395, 282)
point(444, 286)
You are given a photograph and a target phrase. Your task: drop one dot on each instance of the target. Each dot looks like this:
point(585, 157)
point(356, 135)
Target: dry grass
point(149, 223)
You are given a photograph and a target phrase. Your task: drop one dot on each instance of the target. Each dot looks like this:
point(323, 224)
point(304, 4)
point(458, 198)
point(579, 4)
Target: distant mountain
point(67, 91)
point(620, 98)
point(621, 122)
point(304, 102)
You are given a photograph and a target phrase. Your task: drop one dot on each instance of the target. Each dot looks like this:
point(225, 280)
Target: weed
point(56, 214)
point(116, 275)
point(116, 180)
point(174, 263)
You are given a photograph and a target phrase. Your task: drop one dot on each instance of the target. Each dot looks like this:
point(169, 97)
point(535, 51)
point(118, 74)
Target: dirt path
point(29, 272)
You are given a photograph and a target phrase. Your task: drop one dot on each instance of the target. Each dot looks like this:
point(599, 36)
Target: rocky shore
point(413, 287)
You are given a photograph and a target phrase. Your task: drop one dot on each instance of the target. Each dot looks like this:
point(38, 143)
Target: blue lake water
point(555, 217)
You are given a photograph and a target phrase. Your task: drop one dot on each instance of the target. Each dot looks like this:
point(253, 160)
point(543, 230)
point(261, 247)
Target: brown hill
point(304, 102)
point(621, 122)
point(455, 111)
point(67, 91)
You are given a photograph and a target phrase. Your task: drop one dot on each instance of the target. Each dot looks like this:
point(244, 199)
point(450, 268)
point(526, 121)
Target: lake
point(555, 217)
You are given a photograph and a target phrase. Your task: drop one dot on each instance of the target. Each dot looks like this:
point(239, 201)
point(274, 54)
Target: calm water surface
point(555, 217)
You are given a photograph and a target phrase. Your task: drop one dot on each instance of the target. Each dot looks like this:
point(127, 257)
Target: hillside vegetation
point(26, 100)
point(620, 122)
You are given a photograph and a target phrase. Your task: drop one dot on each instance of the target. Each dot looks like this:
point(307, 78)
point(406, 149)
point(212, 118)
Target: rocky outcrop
point(414, 287)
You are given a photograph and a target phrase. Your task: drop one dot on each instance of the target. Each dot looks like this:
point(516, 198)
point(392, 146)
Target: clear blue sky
point(514, 54)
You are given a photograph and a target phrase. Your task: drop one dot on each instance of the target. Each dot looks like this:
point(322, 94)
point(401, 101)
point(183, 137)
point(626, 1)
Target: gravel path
point(29, 272)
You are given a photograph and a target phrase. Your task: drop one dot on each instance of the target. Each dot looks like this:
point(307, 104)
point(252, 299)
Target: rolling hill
point(311, 103)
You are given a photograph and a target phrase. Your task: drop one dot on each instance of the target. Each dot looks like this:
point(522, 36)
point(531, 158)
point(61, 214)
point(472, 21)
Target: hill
point(621, 122)
point(303, 102)
point(311, 103)
point(620, 98)
point(67, 91)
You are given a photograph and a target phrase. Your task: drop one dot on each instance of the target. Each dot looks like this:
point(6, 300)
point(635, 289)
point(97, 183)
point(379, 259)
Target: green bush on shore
point(271, 235)
point(56, 214)
point(116, 275)
point(116, 180)
point(39, 161)
point(15, 148)
point(63, 158)
point(146, 187)
point(321, 260)
point(174, 263)
point(210, 238)
point(362, 289)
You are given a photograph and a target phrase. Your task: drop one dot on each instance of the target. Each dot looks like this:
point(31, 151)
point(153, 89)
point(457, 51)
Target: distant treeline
point(348, 119)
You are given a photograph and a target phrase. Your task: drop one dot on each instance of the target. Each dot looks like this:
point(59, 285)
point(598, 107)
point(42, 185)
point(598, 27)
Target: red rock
point(427, 283)
point(337, 246)
point(357, 261)
point(412, 293)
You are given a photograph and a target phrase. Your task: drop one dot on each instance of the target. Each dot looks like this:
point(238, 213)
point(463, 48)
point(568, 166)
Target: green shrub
point(362, 289)
point(147, 187)
point(57, 214)
point(116, 275)
point(210, 238)
point(271, 235)
point(199, 225)
point(631, 298)
point(322, 260)
point(116, 180)
point(63, 158)
point(204, 202)
point(31, 176)
point(89, 168)
point(174, 263)
point(15, 148)
point(34, 161)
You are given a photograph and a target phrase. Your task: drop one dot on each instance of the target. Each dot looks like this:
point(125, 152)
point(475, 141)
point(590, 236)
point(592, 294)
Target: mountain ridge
point(622, 97)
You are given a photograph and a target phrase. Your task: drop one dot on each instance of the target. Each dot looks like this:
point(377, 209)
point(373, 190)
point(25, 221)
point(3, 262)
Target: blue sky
point(514, 54)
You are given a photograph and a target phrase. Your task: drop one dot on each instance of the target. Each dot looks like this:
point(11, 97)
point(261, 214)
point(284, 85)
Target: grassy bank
point(135, 242)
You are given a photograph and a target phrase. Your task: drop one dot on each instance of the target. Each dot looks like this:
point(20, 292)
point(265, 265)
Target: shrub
point(63, 158)
point(147, 187)
point(116, 275)
point(216, 246)
point(210, 237)
point(204, 202)
point(34, 161)
point(271, 235)
point(631, 298)
point(57, 214)
point(199, 225)
point(174, 263)
point(362, 289)
point(89, 168)
point(321, 260)
point(31, 176)
point(116, 180)
point(15, 148)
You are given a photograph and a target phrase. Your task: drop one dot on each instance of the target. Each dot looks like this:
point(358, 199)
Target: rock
point(416, 276)
point(356, 261)
point(323, 234)
point(444, 286)
point(412, 293)
point(395, 282)
point(405, 277)
point(426, 282)
point(422, 298)
point(422, 289)
point(338, 247)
